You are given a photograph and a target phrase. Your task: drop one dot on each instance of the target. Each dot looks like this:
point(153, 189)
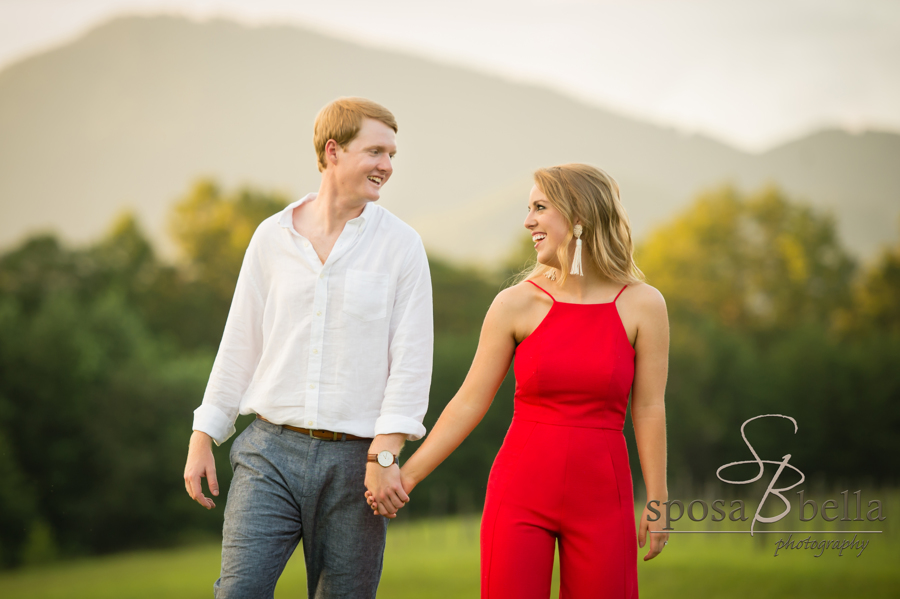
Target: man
point(329, 341)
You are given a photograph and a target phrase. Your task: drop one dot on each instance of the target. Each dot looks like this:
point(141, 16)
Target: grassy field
point(439, 559)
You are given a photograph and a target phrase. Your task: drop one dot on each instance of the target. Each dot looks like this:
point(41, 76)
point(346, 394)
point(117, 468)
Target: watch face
point(385, 458)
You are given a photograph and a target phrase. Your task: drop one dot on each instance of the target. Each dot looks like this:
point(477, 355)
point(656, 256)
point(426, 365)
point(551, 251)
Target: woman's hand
point(408, 485)
point(658, 540)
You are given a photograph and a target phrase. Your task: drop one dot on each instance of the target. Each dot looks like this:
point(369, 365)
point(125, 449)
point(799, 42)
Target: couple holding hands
point(329, 342)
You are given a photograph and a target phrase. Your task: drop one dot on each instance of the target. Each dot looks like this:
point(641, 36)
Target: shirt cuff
point(211, 420)
point(393, 423)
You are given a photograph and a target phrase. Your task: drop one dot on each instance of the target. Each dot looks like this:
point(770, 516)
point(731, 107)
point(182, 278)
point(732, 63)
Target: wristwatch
point(384, 458)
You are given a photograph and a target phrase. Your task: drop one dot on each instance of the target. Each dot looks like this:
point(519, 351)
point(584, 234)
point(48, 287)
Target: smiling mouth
point(376, 180)
point(538, 237)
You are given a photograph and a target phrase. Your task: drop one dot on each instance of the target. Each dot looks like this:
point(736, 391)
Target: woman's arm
point(496, 347)
point(648, 411)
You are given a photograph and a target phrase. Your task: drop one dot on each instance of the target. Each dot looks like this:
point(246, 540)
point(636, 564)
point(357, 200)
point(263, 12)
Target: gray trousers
point(288, 486)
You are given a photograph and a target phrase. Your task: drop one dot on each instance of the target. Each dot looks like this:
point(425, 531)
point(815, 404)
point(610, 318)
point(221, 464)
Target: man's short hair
point(341, 120)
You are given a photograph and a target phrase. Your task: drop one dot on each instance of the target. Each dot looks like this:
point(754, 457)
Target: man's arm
point(406, 392)
point(236, 361)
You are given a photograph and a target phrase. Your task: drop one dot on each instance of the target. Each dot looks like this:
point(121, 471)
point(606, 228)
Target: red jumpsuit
point(562, 473)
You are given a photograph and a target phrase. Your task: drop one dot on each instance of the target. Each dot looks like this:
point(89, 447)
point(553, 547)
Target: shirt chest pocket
point(365, 294)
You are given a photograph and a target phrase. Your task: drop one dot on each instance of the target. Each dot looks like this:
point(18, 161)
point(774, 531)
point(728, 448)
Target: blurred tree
point(757, 287)
point(17, 510)
point(190, 302)
point(124, 258)
point(461, 297)
point(759, 263)
point(89, 403)
point(844, 393)
point(41, 266)
point(877, 303)
point(213, 231)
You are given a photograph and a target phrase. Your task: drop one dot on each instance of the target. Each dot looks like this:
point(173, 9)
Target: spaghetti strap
point(542, 289)
point(620, 293)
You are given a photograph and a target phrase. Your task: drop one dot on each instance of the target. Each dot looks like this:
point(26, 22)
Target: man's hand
point(385, 489)
point(405, 481)
point(200, 464)
point(384, 484)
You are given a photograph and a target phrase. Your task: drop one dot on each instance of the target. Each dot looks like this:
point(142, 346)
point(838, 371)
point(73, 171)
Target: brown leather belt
point(320, 434)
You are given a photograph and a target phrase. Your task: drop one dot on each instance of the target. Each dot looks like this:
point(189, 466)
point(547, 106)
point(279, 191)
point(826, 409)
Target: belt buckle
point(335, 436)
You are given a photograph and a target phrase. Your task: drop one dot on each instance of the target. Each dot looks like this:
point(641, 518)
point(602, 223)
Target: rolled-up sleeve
point(411, 349)
point(238, 355)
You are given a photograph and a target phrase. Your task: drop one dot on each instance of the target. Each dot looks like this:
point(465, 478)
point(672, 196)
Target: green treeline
point(105, 351)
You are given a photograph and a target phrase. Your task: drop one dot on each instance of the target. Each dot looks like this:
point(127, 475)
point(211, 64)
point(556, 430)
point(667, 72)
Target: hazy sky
point(752, 73)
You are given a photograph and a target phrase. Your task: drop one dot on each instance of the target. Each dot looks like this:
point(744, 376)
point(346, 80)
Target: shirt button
point(309, 422)
point(306, 244)
point(319, 313)
point(315, 351)
point(322, 275)
point(312, 386)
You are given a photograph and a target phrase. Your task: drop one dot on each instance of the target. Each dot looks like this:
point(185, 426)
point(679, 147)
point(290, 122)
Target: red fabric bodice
point(576, 368)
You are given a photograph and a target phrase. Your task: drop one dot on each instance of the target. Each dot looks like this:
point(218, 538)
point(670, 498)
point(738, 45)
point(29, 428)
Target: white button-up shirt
point(343, 346)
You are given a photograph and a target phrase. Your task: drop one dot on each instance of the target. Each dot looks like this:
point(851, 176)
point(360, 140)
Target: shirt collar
point(360, 220)
point(286, 219)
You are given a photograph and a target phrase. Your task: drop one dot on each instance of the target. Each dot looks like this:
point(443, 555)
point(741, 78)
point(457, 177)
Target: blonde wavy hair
point(588, 195)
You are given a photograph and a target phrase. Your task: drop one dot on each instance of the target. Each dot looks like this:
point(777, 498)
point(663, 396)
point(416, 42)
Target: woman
point(585, 331)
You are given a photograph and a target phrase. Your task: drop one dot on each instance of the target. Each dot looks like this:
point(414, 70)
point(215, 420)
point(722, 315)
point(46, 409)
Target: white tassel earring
point(576, 261)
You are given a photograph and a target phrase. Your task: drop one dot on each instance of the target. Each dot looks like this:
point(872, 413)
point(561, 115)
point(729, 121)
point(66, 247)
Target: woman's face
point(548, 227)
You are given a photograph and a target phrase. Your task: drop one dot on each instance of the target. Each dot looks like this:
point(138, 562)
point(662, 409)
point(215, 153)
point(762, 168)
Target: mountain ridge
point(138, 108)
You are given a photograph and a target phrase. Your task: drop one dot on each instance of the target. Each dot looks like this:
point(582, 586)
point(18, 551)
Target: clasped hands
point(387, 489)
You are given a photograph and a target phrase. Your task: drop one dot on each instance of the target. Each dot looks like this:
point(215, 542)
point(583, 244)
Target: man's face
point(364, 166)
